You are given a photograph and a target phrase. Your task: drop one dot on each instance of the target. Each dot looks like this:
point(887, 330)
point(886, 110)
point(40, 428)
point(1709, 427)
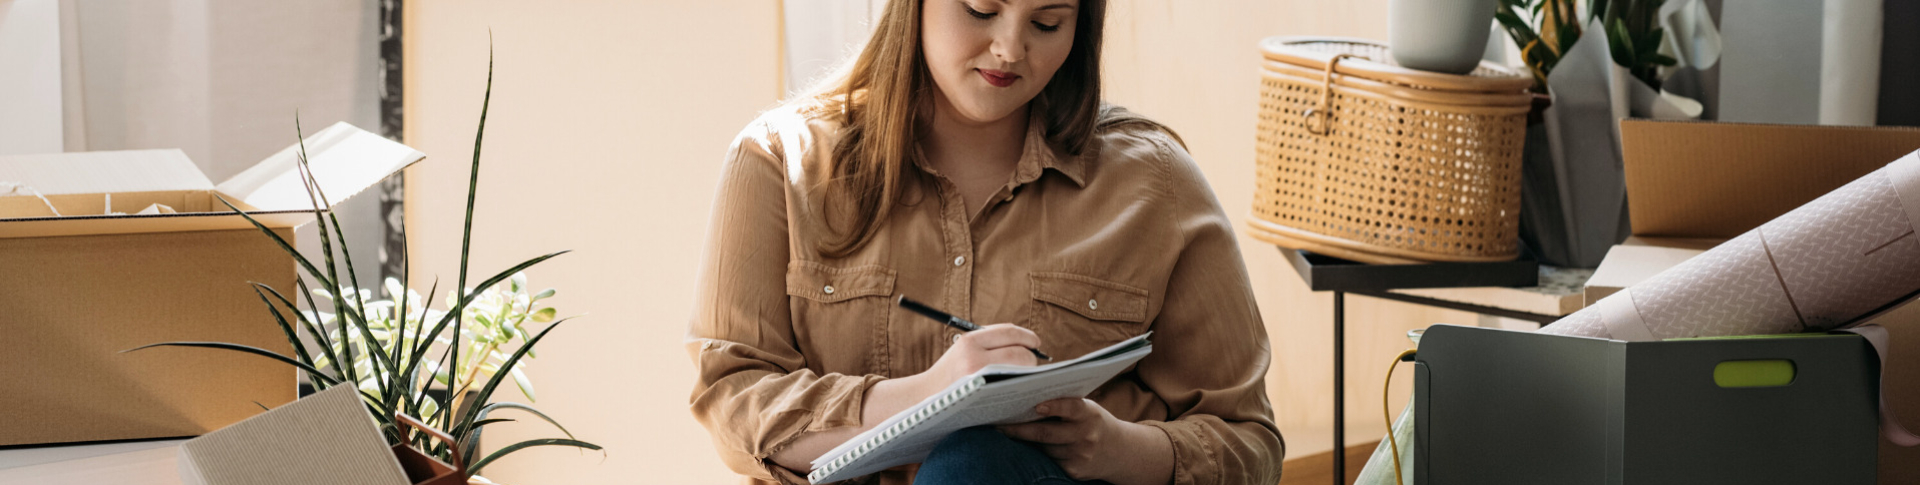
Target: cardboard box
point(1693, 184)
point(78, 287)
point(1500, 406)
point(1672, 187)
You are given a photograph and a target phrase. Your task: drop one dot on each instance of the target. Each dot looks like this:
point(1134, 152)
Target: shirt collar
point(1038, 155)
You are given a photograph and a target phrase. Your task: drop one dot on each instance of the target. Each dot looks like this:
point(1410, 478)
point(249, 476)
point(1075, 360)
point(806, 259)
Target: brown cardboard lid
point(99, 172)
point(1718, 180)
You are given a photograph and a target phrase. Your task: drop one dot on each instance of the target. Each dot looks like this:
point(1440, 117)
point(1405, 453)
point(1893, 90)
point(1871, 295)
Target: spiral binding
point(897, 429)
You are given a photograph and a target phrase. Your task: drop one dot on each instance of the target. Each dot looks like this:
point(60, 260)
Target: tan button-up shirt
point(1084, 250)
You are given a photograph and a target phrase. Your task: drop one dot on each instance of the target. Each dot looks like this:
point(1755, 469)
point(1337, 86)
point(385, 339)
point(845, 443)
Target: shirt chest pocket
point(1075, 314)
point(840, 315)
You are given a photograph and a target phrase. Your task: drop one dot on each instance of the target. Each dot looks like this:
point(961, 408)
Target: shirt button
point(1091, 304)
point(959, 260)
point(828, 289)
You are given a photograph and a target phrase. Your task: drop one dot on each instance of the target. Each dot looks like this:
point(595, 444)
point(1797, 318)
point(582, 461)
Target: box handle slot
point(1754, 373)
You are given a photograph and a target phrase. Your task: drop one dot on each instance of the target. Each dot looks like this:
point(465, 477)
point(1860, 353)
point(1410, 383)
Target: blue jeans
point(982, 455)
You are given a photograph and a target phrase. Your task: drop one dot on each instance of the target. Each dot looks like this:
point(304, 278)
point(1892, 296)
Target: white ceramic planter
point(1439, 35)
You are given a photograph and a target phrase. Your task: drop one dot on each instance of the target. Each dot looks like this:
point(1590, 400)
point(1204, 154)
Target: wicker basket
point(1365, 160)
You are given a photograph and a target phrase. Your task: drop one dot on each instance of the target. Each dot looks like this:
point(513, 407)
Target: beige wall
point(608, 122)
point(1195, 66)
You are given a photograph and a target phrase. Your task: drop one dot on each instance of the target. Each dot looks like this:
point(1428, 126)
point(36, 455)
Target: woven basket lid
point(1372, 62)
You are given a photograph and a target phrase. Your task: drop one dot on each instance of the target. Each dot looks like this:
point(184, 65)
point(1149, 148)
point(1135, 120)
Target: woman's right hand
point(994, 344)
point(1003, 343)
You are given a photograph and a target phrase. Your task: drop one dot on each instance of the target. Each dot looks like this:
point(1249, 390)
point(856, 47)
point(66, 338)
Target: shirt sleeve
point(754, 392)
point(1210, 348)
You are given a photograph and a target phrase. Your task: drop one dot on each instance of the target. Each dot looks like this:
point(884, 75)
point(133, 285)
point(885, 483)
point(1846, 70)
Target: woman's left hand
point(1090, 444)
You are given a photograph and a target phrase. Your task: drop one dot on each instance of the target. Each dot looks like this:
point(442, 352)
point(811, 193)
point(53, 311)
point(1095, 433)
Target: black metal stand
point(1339, 387)
point(1323, 273)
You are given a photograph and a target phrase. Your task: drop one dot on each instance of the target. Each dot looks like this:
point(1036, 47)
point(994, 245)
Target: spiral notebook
point(996, 394)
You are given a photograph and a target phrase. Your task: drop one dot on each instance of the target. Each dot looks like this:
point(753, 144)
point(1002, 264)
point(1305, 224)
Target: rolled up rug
point(1833, 262)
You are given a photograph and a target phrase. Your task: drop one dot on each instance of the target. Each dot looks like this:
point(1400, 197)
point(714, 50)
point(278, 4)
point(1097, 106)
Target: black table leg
point(1339, 388)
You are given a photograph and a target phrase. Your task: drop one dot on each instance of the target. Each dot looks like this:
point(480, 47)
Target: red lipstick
point(998, 79)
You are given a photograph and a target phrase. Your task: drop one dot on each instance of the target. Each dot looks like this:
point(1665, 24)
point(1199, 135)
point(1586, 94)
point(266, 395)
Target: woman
point(964, 159)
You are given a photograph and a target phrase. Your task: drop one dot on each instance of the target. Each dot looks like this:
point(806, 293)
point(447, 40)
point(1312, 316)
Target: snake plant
point(384, 348)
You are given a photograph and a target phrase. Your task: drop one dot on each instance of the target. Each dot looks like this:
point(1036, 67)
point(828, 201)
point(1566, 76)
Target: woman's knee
point(982, 455)
point(970, 446)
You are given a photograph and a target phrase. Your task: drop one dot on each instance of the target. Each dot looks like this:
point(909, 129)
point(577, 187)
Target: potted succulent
point(407, 359)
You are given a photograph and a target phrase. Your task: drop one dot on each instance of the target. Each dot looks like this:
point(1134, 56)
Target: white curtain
point(823, 34)
point(30, 88)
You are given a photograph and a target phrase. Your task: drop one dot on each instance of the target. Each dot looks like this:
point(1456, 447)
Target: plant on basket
point(1634, 37)
point(1553, 28)
point(1546, 29)
point(387, 348)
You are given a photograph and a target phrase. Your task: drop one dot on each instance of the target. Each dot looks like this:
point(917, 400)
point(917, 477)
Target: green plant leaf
point(450, 316)
point(1515, 26)
point(320, 212)
point(520, 378)
point(486, 393)
point(1650, 43)
point(490, 408)
point(299, 348)
point(473, 179)
point(544, 315)
point(244, 349)
point(509, 449)
point(343, 356)
point(282, 242)
point(1620, 44)
point(420, 349)
point(484, 422)
point(312, 327)
point(474, 436)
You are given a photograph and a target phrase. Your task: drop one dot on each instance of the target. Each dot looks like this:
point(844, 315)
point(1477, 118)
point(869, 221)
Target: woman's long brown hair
point(884, 95)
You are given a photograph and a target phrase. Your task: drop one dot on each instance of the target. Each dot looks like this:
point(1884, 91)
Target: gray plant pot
point(1447, 36)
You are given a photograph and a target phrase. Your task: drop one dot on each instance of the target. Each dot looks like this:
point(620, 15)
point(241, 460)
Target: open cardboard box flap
point(1694, 184)
point(345, 160)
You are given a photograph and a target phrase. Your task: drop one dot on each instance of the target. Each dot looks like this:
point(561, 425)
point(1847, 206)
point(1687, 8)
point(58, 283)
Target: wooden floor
point(1317, 469)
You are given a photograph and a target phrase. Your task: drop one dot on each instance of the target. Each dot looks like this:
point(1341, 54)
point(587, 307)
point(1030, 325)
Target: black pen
point(950, 320)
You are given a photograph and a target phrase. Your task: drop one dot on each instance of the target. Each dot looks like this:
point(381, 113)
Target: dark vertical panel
point(392, 205)
point(1900, 64)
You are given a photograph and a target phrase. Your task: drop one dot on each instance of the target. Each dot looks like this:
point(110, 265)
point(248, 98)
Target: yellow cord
point(1384, 406)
